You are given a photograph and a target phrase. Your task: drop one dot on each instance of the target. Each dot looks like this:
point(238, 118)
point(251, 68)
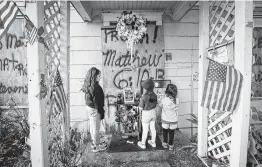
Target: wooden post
point(243, 62)
point(37, 107)
point(203, 45)
point(65, 54)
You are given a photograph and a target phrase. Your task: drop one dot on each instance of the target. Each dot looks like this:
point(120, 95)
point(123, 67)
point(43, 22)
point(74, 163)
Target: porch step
point(146, 164)
point(149, 157)
point(158, 158)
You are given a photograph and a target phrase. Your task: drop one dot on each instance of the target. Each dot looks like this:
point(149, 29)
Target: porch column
point(203, 62)
point(243, 62)
point(37, 107)
point(65, 55)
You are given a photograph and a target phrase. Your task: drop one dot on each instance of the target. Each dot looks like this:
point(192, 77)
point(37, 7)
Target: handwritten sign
point(256, 85)
point(13, 65)
point(148, 59)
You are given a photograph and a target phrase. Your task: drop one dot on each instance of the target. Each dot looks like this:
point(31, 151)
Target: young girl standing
point(169, 105)
point(94, 98)
point(148, 104)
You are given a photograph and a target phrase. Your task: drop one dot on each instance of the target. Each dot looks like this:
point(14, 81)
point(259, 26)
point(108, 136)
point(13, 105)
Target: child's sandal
point(171, 147)
point(141, 145)
point(165, 145)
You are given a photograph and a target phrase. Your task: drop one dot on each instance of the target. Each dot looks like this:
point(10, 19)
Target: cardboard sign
point(120, 71)
point(13, 65)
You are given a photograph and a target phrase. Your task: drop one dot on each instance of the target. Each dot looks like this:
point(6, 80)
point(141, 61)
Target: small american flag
point(8, 12)
point(31, 31)
point(222, 87)
point(59, 95)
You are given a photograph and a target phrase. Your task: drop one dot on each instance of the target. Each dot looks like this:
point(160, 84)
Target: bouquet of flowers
point(127, 116)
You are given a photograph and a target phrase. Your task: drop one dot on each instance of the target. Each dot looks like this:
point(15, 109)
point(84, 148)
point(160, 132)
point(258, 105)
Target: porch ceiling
point(105, 6)
point(176, 9)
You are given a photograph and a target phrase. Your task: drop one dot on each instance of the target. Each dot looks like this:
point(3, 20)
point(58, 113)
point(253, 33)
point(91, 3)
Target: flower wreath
point(132, 26)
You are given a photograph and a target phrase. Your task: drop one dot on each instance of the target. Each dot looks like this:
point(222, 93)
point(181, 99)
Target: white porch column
point(65, 54)
point(243, 62)
point(203, 62)
point(37, 108)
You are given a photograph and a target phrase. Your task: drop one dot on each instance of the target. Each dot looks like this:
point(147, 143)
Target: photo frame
point(129, 96)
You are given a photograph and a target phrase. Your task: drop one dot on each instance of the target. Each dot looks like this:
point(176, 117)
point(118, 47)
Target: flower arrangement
point(127, 116)
point(131, 26)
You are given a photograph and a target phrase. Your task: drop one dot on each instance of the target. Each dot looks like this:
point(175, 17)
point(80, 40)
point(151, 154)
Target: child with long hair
point(148, 104)
point(169, 105)
point(94, 98)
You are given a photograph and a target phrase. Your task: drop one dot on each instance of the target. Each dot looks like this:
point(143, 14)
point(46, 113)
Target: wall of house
point(180, 40)
point(85, 52)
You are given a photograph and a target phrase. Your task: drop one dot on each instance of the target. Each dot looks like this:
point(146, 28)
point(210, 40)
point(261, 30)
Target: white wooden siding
point(85, 52)
point(181, 39)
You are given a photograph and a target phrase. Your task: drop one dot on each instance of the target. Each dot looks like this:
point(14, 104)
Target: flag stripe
point(60, 96)
point(212, 101)
point(211, 85)
point(234, 90)
point(228, 89)
point(237, 86)
point(222, 95)
point(4, 6)
point(31, 35)
point(8, 12)
point(220, 107)
point(205, 92)
point(216, 95)
point(57, 104)
point(238, 93)
point(233, 80)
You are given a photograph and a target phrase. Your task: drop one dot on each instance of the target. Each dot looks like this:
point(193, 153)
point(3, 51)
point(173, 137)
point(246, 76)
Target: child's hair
point(171, 92)
point(90, 80)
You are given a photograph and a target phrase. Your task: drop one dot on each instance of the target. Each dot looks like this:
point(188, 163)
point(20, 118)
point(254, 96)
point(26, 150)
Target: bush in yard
point(67, 153)
point(15, 150)
point(14, 130)
point(192, 146)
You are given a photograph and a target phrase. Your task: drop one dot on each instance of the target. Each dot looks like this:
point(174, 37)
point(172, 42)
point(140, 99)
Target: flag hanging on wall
point(8, 12)
point(222, 87)
point(31, 31)
point(59, 95)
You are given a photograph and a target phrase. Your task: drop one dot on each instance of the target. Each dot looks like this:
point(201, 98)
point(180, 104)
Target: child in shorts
point(169, 113)
point(148, 104)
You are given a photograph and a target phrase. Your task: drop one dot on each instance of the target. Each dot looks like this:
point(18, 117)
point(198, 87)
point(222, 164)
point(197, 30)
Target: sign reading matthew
point(13, 65)
point(148, 59)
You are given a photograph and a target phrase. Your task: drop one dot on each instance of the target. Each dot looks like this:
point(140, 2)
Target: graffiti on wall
point(256, 63)
point(13, 66)
point(148, 58)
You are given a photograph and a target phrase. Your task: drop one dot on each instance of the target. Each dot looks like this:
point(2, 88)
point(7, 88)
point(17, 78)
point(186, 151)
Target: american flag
point(31, 31)
point(59, 95)
point(222, 87)
point(8, 12)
